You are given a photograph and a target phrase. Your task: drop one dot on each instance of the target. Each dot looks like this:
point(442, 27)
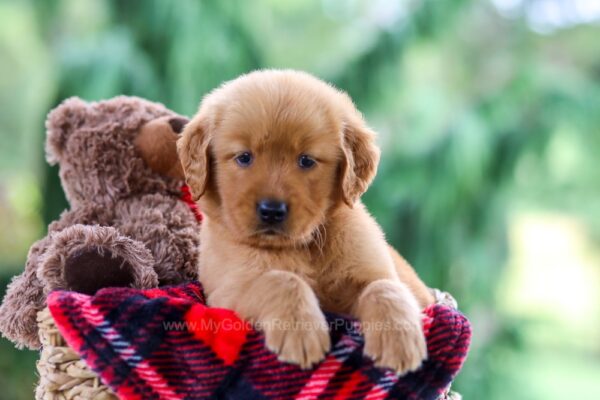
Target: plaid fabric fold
point(167, 344)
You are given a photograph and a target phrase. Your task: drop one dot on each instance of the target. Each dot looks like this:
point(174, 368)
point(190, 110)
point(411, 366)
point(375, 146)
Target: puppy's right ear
point(193, 151)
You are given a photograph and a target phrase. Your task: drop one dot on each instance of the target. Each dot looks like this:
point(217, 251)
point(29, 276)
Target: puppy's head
point(272, 152)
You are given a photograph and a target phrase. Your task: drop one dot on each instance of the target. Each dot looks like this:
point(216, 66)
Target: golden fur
point(331, 254)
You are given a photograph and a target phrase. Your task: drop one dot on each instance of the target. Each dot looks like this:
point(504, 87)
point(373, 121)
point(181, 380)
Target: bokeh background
point(489, 119)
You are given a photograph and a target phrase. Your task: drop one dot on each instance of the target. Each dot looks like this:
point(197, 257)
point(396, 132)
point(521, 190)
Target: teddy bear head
point(114, 148)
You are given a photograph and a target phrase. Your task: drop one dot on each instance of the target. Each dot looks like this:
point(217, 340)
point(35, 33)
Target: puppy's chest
point(335, 291)
point(302, 265)
point(323, 273)
point(312, 269)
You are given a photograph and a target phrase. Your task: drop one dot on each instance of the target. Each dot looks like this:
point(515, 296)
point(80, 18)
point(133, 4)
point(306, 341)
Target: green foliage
point(480, 119)
point(17, 367)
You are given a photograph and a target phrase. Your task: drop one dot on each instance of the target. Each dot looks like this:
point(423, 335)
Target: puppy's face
point(272, 152)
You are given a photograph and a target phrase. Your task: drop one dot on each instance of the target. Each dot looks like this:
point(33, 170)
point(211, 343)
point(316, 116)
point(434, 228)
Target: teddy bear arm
point(87, 258)
point(24, 298)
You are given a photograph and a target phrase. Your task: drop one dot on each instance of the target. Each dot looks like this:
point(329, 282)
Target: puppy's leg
point(286, 309)
point(391, 324)
point(408, 276)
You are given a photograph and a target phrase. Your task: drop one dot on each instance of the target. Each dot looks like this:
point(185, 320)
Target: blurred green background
point(489, 119)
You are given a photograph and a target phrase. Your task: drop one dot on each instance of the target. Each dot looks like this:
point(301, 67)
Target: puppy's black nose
point(272, 211)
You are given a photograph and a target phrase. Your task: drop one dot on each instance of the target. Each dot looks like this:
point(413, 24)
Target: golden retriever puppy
point(278, 161)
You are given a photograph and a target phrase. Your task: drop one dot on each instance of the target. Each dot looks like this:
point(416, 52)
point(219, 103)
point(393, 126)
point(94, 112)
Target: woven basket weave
point(65, 376)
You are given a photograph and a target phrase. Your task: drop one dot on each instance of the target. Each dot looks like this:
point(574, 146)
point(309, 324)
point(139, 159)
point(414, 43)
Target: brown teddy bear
point(127, 225)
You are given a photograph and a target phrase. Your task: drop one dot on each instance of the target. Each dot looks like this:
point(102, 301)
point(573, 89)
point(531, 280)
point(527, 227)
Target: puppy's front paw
point(399, 345)
point(302, 340)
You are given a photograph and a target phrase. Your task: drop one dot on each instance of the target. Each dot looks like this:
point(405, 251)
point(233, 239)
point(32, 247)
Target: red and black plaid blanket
point(166, 344)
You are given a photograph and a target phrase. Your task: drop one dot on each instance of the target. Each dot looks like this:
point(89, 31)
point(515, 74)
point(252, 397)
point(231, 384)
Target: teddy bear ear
point(178, 123)
point(156, 143)
point(60, 123)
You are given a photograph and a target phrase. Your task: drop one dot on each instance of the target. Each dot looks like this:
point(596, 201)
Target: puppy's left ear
point(193, 150)
point(361, 157)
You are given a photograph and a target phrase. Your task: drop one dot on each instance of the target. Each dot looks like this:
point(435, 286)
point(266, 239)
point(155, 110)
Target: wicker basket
point(65, 376)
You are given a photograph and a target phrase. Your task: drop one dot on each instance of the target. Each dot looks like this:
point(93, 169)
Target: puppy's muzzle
point(271, 212)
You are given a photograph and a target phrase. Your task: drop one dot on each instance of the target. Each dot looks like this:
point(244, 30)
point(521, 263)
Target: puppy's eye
point(306, 162)
point(244, 159)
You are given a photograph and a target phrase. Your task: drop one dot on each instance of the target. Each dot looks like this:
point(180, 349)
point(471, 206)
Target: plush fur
point(329, 254)
point(126, 225)
point(78, 241)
